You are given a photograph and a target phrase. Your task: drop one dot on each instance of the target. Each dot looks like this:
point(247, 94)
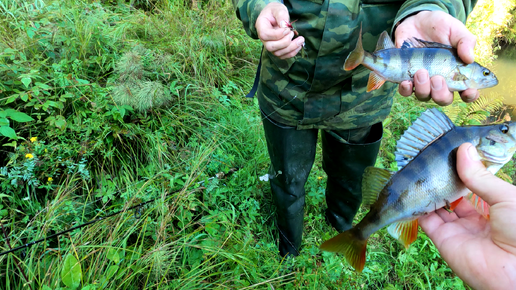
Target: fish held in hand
point(388, 63)
point(427, 180)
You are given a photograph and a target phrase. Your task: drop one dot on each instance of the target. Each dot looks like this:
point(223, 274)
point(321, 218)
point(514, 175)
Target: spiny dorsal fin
point(384, 42)
point(431, 125)
point(419, 43)
point(404, 231)
point(373, 181)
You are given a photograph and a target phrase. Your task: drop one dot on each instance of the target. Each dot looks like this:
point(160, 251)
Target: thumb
point(479, 180)
point(463, 40)
point(281, 16)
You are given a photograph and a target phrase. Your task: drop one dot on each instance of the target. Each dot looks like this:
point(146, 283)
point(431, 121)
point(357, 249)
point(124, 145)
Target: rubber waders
point(292, 154)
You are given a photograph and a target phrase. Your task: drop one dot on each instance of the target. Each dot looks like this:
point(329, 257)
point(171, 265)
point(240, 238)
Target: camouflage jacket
point(314, 91)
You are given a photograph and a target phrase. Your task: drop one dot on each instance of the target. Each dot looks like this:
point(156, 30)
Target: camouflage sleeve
point(459, 9)
point(248, 10)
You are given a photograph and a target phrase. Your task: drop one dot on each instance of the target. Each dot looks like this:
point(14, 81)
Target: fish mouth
point(489, 83)
point(495, 158)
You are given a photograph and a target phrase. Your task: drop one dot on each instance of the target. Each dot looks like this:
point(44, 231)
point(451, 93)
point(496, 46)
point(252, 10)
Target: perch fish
point(426, 180)
point(388, 63)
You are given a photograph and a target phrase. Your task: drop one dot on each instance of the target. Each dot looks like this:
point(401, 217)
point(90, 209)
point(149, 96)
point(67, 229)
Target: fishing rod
point(220, 175)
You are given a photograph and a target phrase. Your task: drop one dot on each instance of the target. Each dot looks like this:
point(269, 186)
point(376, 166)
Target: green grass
point(140, 100)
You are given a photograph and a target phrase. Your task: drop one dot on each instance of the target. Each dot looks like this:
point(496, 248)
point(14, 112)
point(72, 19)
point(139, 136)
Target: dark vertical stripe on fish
point(429, 55)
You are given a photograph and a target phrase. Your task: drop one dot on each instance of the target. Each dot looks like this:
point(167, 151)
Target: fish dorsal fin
point(431, 125)
point(419, 43)
point(373, 181)
point(384, 42)
point(404, 231)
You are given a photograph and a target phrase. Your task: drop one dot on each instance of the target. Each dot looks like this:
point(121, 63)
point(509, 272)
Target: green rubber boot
point(346, 154)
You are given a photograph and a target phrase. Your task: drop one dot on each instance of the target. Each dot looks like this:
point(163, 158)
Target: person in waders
point(302, 93)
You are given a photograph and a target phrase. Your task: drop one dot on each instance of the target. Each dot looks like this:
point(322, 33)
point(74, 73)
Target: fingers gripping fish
point(426, 180)
point(388, 63)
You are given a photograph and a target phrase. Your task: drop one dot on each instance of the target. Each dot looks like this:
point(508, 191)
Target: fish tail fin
point(356, 57)
point(351, 245)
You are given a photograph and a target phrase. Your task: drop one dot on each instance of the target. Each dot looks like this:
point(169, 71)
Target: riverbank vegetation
point(110, 104)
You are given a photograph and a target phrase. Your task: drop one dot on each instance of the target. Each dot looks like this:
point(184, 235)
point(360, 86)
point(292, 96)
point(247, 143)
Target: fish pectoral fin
point(373, 181)
point(404, 231)
point(375, 81)
point(349, 244)
point(384, 42)
point(479, 204)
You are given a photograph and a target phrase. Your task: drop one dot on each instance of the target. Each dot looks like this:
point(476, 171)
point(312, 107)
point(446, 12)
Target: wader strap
point(256, 79)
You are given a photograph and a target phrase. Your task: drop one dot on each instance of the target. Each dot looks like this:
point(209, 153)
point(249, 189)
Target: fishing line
point(137, 215)
point(302, 84)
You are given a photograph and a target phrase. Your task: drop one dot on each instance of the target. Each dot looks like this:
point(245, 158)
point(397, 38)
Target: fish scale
point(427, 180)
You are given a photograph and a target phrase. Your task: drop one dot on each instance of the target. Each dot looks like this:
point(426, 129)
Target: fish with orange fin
point(426, 180)
point(388, 63)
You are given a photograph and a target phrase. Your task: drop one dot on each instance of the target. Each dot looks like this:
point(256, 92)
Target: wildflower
point(50, 179)
point(29, 156)
point(46, 150)
point(33, 139)
point(319, 177)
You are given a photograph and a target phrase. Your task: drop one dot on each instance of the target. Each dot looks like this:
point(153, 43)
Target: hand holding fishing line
point(441, 27)
point(480, 252)
point(274, 33)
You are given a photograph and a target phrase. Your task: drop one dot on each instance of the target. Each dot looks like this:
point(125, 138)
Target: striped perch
point(388, 63)
point(426, 180)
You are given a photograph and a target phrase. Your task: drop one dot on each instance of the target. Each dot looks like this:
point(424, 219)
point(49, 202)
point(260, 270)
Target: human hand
point(439, 27)
point(481, 252)
point(274, 34)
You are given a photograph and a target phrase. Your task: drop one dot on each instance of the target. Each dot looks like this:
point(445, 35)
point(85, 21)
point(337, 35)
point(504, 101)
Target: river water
point(505, 70)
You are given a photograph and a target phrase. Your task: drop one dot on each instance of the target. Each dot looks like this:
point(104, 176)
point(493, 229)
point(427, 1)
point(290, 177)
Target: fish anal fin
point(349, 244)
point(479, 204)
point(404, 231)
point(384, 42)
point(375, 81)
point(373, 181)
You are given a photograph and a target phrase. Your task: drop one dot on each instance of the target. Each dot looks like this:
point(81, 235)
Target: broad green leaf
point(26, 81)
point(112, 255)
point(111, 272)
point(4, 121)
point(8, 132)
point(21, 117)
point(10, 144)
point(45, 287)
point(24, 97)
point(89, 287)
point(71, 273)
point(60, 122)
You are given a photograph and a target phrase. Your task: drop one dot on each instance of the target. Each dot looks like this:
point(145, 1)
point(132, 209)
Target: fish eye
point(504, 128)
point(486, 72)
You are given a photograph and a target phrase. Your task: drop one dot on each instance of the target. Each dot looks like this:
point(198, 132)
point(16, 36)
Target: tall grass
point(100, 149)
